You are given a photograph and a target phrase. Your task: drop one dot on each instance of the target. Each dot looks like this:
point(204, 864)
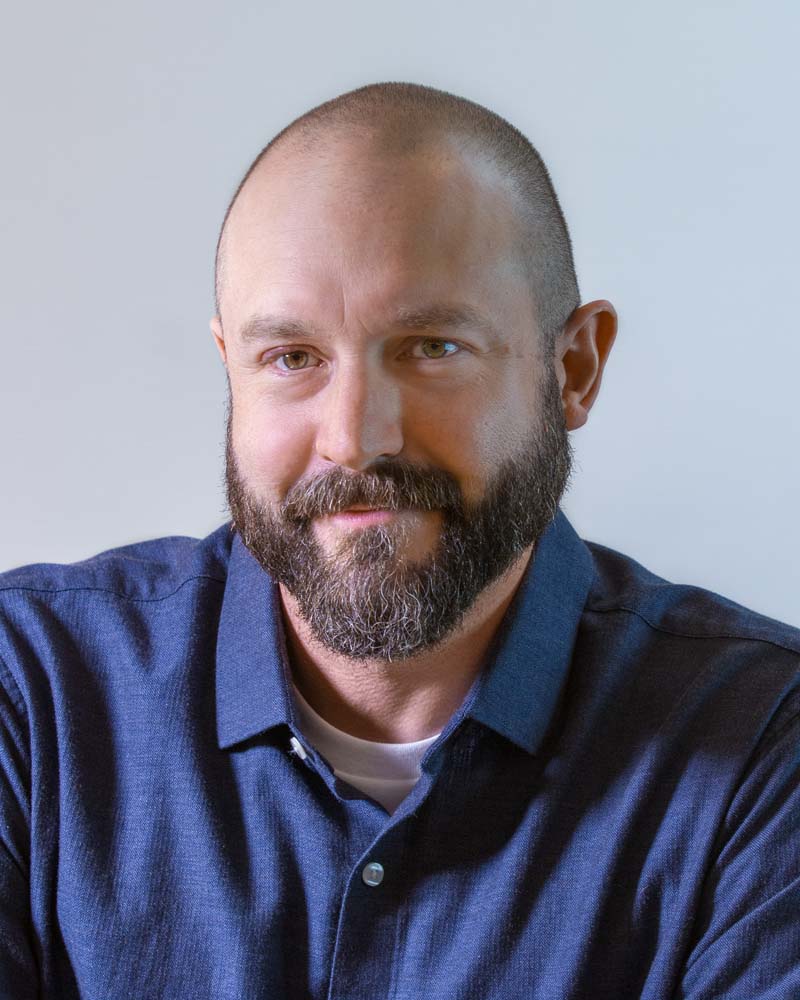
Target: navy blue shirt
point(612, 812)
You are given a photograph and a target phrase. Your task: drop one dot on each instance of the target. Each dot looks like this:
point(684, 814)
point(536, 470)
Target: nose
point(361, 417)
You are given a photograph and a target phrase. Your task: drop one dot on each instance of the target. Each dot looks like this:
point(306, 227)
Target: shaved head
point(403, 120)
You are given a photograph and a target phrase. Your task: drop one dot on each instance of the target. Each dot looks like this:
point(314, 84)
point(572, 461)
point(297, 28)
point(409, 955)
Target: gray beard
point(366, 601)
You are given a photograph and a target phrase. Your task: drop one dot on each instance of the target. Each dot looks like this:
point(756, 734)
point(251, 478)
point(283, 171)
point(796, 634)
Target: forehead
point(345, 224)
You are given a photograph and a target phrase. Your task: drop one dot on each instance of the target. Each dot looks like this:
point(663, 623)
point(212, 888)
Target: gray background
point(671, 133)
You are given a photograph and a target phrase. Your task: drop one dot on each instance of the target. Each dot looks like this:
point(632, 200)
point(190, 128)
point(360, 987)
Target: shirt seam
point(691, 635)
point(111, 593)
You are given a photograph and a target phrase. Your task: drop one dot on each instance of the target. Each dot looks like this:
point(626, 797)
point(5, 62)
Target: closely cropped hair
point(409, 116)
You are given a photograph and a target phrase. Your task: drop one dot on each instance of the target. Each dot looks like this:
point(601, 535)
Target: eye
point(434, 348)
point(295, 361)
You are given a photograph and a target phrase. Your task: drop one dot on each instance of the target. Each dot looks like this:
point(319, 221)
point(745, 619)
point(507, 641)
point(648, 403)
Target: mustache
point(394, 485)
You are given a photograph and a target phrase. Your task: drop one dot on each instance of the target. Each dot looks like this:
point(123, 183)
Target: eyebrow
point(259, 328)
point(438, 316)
point(447, 317)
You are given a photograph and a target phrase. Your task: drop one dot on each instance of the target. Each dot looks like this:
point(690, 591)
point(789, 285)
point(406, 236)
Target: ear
point(582, 350)
point(219, 339)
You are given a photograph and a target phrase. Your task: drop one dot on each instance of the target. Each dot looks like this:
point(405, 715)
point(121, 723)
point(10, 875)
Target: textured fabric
point(612, 812)
point(385, 771)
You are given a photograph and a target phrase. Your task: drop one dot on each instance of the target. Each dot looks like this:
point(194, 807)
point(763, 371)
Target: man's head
point(397, 313)
point(404, 119)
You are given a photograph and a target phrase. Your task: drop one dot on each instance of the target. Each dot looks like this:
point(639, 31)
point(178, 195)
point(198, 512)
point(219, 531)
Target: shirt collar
point(252, 665)
point(519, 690)
point(517, 694)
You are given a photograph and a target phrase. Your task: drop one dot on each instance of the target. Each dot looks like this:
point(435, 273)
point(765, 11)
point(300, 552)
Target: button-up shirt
point(613, 812)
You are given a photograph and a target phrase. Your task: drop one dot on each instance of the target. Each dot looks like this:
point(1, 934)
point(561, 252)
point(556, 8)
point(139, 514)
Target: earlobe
point(581, 354)
point(219, 339)
point(575, 415)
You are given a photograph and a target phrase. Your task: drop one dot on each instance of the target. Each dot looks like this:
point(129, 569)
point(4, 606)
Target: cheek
point(468, 438)
point(273, 450)
point(480, 432)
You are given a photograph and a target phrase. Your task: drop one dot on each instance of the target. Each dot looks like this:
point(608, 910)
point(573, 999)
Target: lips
point(362, 515)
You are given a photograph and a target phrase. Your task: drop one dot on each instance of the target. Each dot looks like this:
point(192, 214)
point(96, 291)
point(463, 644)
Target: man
point(397, 731)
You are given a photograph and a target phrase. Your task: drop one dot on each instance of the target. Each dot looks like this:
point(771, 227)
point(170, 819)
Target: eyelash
point(455, 348)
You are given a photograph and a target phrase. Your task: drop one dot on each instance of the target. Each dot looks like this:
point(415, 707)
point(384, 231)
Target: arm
point(19, 979)
point(747, 935)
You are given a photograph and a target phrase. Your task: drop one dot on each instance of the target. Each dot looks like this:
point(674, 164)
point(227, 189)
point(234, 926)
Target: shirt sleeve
point(19, 977)
point(747, 940)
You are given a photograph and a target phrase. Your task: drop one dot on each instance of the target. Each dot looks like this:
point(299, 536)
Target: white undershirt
point(385, 771)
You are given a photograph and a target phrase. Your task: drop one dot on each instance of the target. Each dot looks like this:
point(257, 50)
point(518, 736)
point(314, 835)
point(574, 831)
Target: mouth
point(360, 515)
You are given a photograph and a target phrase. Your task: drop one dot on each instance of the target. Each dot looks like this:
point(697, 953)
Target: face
point(395, 437)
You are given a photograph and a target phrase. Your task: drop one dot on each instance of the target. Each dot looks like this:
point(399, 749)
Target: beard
point(366, 600)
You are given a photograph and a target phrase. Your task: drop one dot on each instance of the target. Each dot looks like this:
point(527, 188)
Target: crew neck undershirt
point(385, 771)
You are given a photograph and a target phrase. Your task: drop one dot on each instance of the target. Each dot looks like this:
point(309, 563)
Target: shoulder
point(716, 673)
point(144, 571)
point(107, 612)
point(625, 587)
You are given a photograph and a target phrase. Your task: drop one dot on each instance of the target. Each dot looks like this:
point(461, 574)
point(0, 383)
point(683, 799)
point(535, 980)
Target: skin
point(340, 244)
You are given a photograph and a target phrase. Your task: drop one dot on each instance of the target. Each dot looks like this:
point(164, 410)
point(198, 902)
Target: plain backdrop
point(671, 134)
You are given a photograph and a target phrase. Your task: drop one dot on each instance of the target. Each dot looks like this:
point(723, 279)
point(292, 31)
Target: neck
point(402, 701)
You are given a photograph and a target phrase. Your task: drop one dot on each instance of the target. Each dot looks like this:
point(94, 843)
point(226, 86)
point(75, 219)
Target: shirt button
point(373, 873)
